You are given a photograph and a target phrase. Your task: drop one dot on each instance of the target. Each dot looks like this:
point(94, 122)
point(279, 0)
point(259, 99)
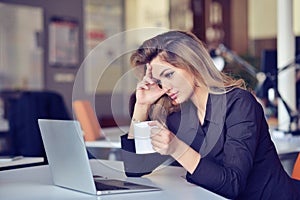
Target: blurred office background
point(44, 43)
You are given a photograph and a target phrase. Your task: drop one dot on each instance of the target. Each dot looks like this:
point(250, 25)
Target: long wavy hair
point(183, 50)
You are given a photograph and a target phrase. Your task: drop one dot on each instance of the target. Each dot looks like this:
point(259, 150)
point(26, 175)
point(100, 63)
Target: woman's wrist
point(186, 156)
point(140, 106)
point(180, 149)
point(140, 114)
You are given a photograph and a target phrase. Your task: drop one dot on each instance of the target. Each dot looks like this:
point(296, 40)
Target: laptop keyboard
point(108, 185)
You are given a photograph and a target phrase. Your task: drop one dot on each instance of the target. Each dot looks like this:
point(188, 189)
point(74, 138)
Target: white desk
point(287, 146)
point(112, 139)
point(21, 162)
point(34, 183)
point(286, 143)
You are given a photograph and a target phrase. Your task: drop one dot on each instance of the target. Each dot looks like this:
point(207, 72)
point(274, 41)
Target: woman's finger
point(158, 144)
point(145, 83)
point(154, 123)
point(148, 71)
point(147, 79)
point(156, 133)
point(142, 86)
point(159, 147)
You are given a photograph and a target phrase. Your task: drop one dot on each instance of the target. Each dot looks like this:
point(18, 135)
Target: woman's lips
point(173, 95)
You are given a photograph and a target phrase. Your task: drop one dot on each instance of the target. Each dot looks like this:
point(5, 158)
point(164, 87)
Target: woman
point(205, 121)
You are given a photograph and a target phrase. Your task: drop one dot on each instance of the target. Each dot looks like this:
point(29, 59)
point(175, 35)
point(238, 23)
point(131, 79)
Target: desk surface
point(35, 183)
point(21, 162)
point(286, 143)
point(112, 138)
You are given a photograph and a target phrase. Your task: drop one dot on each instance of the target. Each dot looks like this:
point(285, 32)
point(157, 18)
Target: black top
point(239, 160)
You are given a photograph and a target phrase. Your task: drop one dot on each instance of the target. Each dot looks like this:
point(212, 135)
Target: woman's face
point(178, 83)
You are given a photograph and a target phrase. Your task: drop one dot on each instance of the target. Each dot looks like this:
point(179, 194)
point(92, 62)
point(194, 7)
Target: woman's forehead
point(159, 68)
point(159, 64)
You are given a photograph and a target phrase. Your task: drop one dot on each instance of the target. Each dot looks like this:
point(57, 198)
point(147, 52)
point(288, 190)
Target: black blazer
point(239, 160)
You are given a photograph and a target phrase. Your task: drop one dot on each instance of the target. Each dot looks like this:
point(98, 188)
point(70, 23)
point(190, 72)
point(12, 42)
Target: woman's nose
point(166, 86)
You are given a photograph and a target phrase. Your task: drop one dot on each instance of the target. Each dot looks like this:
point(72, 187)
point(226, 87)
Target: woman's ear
point(196, 81)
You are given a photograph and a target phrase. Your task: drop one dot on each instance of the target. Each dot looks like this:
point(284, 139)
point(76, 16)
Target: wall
point(61, 79)
point(239, 26)
point(262, 20)
point(296, 13)
point(58, 79)
point(20, 51)
point(261, 31)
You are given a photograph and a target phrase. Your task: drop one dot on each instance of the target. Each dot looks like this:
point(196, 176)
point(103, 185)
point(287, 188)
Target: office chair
point(23, 120)
point(88, 120)
point(91, 128)
point(296, 172)
point(296, 169)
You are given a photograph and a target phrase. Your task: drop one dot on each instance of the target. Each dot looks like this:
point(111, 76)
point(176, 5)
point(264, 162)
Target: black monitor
point(268, 66)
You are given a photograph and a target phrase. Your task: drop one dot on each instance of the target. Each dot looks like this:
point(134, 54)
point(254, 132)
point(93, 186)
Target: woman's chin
point(176, 101)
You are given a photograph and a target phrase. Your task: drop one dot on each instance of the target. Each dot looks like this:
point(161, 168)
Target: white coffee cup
point(142, 140)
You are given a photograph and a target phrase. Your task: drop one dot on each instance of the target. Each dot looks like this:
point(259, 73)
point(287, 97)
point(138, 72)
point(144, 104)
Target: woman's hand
point(148, 91)
point(166, 143)
point(163, 140)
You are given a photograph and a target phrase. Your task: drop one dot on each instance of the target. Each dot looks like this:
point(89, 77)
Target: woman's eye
point(169, 75)
point(158, 82)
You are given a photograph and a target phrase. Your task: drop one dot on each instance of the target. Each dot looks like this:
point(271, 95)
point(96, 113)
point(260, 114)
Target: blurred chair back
point(296, 169)
point(23, 120)
point(88, 120)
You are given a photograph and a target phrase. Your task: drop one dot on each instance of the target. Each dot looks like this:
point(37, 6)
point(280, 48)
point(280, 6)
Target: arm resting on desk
point(137, 165)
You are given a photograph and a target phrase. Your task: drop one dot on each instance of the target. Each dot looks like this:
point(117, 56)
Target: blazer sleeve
point(136, 165)
point(228, 177)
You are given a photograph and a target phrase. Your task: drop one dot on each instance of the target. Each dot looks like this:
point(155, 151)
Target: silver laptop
point(69, 163)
